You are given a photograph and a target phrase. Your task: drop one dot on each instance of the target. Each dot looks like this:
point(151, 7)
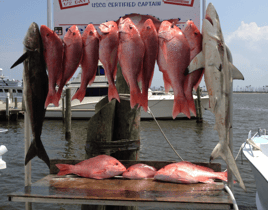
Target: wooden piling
point(199, 118)
point(63, 109)
point(114, 122)
point(7, 108)
point(68, 114)
point(16, 103)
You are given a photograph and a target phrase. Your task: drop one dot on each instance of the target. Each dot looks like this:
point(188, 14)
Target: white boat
point(256, 151)
point(160, 103)
point(10, 88)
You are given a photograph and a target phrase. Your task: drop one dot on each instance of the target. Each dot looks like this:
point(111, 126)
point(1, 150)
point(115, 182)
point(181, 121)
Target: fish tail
point(37, 149)
point(135, 97)
point(51, 98)
point(64, 169)
point(58, 94)
point(224, 151)
point(80, 94)
point(191, 106)
point(222, 176)
point(180, 105)
point(144, 100)
point(113, 93)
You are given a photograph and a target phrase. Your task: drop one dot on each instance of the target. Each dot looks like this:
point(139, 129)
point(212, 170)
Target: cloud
point(249, 32)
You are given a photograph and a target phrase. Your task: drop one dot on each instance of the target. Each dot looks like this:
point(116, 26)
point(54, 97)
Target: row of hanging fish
point(136, 49)
point(104, 167)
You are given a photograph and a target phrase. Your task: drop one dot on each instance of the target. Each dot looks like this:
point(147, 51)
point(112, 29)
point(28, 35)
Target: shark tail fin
point(37, 149)
point(225, 152)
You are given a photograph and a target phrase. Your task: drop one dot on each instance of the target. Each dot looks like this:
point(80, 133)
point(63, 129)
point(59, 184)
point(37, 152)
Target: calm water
point(193, 141)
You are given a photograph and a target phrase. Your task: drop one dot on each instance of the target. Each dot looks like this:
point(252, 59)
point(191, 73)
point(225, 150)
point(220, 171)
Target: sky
point(244, 25)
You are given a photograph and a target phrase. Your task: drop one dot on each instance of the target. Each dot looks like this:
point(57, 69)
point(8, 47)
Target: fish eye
point(73, 33)
point(148, 27)
point(116, 163)
point(47, 34)
point(91, 32)
point(130, 27)
point(195, 33)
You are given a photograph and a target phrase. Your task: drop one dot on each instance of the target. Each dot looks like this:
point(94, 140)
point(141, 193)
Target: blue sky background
point(244, 24)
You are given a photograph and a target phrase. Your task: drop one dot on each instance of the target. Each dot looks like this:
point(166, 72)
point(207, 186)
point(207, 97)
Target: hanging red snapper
point(109, 40)
point(99, 167)
point(194, 38)
point(188, 173)
point(89, 61)
point(150, 40)
point(173, 59)
point(139, 171)
point(130, 53)
point(72, 56)
point(53, 54)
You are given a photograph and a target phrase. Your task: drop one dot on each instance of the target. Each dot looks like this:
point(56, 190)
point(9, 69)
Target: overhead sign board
point(84, 12)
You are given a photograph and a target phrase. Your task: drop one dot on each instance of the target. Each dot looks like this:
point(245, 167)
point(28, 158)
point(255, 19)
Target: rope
point(150, 112)
point(232, 196)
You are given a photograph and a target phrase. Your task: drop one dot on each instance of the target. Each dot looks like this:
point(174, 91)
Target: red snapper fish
point(188, 173)
point(72, 56)
point(194, 38)
point(89, 61)
point(53, 54)
point(139, 20)
point(150, 40)
point(99, 167)
point(109, 40)
point(139, 171)
point(130, 53)
point(173, 59)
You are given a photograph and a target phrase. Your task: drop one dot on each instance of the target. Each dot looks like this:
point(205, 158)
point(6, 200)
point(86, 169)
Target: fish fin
point(198, 62)
point(206, 180)
point(51, 98)
point(80, 94)
point(191, 105)
point(164, 49)
point(199, 80)
point(166, 82)
point(180, 105)
point(64, 169)
point(135, 97)
point(144, 100)
point(37, 150)
point(226, 154)
point(20, 60)
point(113, 93)
point(236, 74)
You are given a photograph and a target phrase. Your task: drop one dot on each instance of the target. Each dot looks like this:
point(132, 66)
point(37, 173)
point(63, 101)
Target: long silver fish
point(219, 73)
point(35, 88)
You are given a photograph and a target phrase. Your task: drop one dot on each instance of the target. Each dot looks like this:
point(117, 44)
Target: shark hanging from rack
point(219, 74)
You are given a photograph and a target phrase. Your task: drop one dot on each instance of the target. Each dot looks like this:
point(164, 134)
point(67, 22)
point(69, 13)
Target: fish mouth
point(211, 14)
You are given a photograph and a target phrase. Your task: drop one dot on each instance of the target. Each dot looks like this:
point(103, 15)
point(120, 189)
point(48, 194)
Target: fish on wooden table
point(219, 74)
point(109, 41)
point(35, 89)
point(194, 38)
point(150, 40)
point(72, 56)
point(99, 167)
point(188, 173)
point(53, 54)
point(130, 53)
point(173, 60)
point(139, 171)
point(89, 61)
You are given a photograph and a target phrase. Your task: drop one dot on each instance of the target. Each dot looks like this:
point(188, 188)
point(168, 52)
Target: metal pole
point(204, 10)
point(27, 168)
point(7, 107)
point(68, 114)
point(49, 13)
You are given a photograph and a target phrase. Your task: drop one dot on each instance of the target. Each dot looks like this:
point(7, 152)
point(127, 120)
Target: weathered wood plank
point(119, 191)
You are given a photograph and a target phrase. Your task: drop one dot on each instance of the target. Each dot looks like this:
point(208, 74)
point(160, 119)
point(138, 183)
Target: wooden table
point(71, 189)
